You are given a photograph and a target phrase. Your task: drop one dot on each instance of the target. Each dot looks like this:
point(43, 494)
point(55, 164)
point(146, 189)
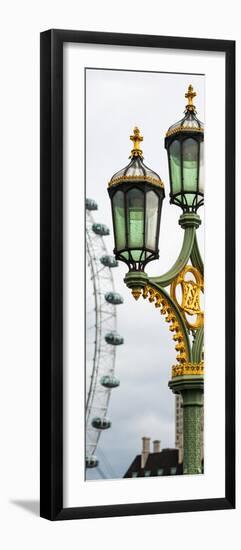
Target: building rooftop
point(163, 463)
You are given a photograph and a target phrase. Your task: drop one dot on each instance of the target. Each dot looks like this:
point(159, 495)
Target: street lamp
point(136, 194)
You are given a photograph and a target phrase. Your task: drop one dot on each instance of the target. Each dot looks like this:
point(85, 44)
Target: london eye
point(102, 338)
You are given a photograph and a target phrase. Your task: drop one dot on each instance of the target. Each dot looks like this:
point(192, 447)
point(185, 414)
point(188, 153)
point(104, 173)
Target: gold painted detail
point(161, 302)
point(180, 128)
point(136, 138)
point(150, 179)
point(136, 292)
point(190, 94)
point(191, 292)
point(190, 107)
point(188, 369)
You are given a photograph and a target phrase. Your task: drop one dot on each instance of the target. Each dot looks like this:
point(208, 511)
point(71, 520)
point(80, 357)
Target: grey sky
point(116, 101)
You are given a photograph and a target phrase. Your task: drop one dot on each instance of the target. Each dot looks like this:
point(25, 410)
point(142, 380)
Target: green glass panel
point(151, 219)
point(190, 167)
point(175, 166)
point(136, 255)
point(201, 168)
point(135, 218)
point(119, 220)
point(190, 198)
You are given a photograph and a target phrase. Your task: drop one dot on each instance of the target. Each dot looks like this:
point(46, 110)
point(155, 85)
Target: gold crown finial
point(190, 94)
point(136, 138)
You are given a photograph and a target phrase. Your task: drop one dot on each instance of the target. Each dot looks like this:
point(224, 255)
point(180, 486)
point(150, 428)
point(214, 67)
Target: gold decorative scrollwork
point(147, 178)
point(170, 317)
point(191, 291)
point(178, 129)
point(187, 369)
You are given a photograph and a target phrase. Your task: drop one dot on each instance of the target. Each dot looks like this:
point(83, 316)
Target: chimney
point(145, 450)
point(156, 446)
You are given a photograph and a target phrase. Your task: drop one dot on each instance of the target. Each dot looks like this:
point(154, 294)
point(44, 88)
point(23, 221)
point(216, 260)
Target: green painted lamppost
point(136, 194)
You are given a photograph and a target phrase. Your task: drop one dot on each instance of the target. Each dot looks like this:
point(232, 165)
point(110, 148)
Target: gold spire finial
point(136, 138)
point(190, 94)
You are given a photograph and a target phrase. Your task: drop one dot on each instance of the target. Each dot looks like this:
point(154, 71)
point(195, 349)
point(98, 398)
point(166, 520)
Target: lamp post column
point(190, 387)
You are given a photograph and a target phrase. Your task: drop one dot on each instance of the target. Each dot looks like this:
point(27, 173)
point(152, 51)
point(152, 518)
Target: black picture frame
point(51, 324)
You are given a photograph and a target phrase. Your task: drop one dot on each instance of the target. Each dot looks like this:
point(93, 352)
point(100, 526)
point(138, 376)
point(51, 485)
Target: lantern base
point(189, 219)
point(136, 281)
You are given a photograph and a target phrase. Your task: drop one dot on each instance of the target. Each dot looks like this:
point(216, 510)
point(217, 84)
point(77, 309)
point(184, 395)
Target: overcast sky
point(116, 101)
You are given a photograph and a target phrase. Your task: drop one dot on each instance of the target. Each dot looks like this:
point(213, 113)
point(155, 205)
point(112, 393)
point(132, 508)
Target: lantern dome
point(190, 122)
point(136, 170)
point(136, 194)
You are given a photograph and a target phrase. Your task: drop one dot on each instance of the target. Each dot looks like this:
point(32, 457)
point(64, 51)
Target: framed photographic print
point(137, 210)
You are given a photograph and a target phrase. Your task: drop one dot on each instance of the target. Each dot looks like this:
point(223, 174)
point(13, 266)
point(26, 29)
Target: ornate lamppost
point(136, 194)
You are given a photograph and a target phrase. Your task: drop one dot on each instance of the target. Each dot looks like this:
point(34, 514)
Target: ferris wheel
point(102, 338)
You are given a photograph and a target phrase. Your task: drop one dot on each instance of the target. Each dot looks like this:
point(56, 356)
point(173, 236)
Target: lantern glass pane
point(201, 168)
point(137, 255)
point(190, 167)
point(152, 202)
point(135, 218)
point(190, 197)
point(175, 166)
point(119, 220)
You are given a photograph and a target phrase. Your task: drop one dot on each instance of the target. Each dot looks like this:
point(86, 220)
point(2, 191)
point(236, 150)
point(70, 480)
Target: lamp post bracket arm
point(186, 250)
point(197, 347)
point(196, 257)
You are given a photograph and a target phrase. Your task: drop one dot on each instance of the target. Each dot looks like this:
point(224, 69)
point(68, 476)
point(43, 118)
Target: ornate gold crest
point(191, 292)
